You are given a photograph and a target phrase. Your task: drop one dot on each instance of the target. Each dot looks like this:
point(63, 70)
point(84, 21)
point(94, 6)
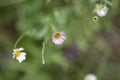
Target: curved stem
point(19, 39)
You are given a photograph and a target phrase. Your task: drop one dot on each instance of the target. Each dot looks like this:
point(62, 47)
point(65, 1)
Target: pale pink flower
point(58, 37)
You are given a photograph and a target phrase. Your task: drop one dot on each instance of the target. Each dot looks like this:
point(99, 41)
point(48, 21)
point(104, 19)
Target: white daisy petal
point(21, 49)
point(13, 56)
point(15, 49)
point(23, 53)
point(21, 58)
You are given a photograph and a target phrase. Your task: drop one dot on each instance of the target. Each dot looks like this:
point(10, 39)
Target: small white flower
point(58, 37)
point(101, 10)
point(90, 77)
point(17, 54)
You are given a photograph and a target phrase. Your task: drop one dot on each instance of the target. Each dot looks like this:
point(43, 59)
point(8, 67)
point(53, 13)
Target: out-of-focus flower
point(95, 18)
point(101, 10)
point(90, 77)
point(58, 37)
point(17, 54)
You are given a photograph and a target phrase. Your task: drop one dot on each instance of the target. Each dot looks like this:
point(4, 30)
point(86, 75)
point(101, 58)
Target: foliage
point(88, 48)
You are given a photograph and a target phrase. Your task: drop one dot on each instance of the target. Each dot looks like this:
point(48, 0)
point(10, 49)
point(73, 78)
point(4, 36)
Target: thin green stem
point(18, 40)
point(43, 50)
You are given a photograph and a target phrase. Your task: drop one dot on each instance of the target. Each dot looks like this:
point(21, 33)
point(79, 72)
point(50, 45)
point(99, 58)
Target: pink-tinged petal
point(53, 36)
point(53, 40)
point(59, 43)
point(56, 41)
point(63, 37)
point(62, 33)
point(59, 40)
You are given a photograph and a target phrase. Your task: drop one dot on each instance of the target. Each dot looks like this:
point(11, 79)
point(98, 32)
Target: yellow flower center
point(57, 35)
point(17, 54)
point(99, 7)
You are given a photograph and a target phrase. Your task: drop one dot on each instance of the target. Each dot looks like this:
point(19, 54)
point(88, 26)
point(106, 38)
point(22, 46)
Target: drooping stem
point(43, 50)
point(18, 40)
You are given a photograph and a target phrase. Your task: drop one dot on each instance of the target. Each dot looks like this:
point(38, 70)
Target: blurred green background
point(91, 47)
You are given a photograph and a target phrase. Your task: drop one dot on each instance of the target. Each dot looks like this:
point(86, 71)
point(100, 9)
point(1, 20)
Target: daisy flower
point(58, 37)
point(18, 55)
point(101, 10)
point(90, 77)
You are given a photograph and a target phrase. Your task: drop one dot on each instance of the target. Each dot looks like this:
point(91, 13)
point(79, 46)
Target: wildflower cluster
point(58, 38)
